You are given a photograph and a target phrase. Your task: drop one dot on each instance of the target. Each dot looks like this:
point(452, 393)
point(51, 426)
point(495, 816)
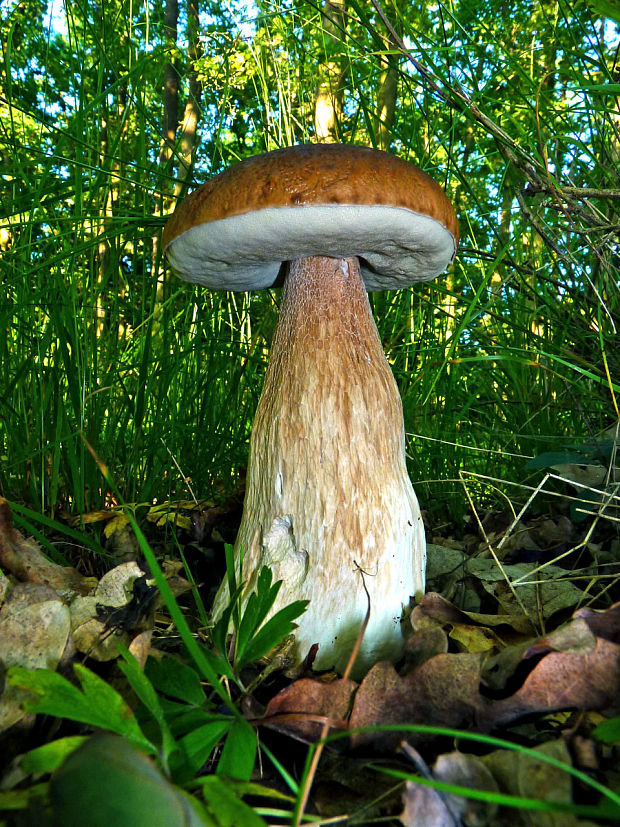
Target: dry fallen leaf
point(467, 771)
point(121, 539)
point(461, 770)
point(34, 631)
point(25, 560)
point(433, 605)
point(140, 647)
point(563, 680)
point(426, 807)
point(345, 784)
point(305, 705)
point(168, 512)
point(604, 624)
point(522, 775)
point(571, 668)
point(424, 644)
point(443, 691)
point(541, 593)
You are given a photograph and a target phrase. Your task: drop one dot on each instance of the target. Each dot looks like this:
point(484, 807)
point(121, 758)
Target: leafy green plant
point(179, 721)
point(96, 704)
point(252, 637)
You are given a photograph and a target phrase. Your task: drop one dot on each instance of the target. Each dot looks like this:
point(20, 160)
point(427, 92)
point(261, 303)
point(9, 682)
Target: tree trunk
point(387, 89)
point(171, 88)
point(329, 101)
point(191, 115)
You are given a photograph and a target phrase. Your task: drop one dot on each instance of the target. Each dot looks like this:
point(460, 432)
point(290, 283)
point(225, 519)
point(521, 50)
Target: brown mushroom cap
point(234, 232)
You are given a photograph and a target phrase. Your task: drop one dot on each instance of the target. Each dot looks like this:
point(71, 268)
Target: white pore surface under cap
point(396, 246)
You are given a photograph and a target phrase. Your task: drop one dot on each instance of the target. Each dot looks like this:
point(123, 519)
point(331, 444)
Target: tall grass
point(513, 352)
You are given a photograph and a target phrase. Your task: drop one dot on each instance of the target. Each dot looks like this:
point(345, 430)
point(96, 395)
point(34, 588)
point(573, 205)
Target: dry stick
point(590, 192)
point(314, 763)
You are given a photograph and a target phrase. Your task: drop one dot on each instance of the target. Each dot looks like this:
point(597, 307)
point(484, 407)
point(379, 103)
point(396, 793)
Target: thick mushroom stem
point(328, 500)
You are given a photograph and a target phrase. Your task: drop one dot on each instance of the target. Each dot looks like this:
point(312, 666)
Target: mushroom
point(329, 506)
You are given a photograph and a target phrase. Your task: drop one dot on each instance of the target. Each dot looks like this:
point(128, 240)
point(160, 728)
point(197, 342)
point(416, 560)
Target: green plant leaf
point(172, 677)
point(256, 609)
point(603, 88)
point(183, 718)
point(219, 664)
point(196, 747)
point(608, 731)
point(50, 756)
point(225, 807)
point(97, 705)
point(239, 751)
point(606, 8)
point(550, 458)
point(196, 651)
point(145, 691)
point(272, 633)
point(21, 799)
point(23, 515)
point(219, 634)
point(242, 788)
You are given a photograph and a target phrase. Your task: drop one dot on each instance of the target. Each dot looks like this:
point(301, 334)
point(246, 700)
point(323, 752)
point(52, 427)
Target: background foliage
point(110, 112)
